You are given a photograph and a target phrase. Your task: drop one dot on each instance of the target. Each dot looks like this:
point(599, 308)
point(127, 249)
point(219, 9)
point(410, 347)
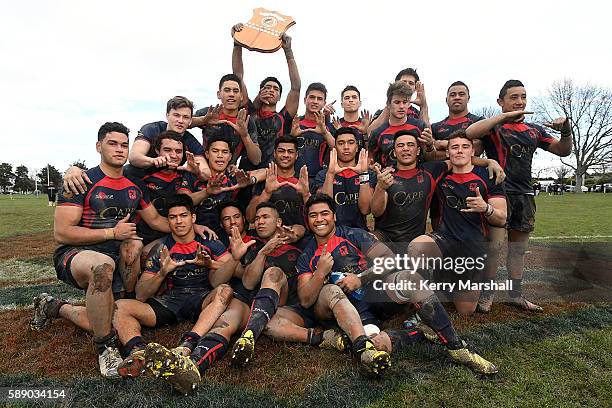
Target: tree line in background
point(22, 180)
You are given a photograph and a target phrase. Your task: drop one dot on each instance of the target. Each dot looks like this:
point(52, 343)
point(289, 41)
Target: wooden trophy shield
point(264, 30)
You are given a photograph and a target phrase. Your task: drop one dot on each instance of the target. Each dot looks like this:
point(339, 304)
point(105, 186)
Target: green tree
point(23, 182)
point(6, 176)
point(80, 164)
point(55, 177)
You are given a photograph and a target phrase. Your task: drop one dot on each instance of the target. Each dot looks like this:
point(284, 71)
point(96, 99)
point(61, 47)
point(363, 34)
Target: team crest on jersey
point(291, 257)
point(473, 186)
point(420, 178)
point(132, 194)
point(343, 251)
point(356, 181)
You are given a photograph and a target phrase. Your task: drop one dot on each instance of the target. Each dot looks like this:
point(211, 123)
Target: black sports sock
point(403, 338)
point(517, 288)
point(110, 340)
point(210, 348)
point(136, 342)
point(360, 343)
point(315, 337)
point(434, 315)
point(264, 307)
point(189, 340)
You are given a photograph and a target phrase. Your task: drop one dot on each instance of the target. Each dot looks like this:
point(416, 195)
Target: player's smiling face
point(180, 220)
point(285, 155)
point(457, 98)
point(406, 150)
point(230, 95)
point(314, 101)
point(321, 219)
point(114, 149)
point(232, 217)
point(350, 101)
point(515, 99)
point(399, 106)
point(270, 93)
point(460, 151)
point(219, 156)
point(173, 150)
point(346, 147)
point(267, 222)
point(179, 119)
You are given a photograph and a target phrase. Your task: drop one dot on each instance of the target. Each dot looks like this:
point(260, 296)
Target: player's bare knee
point(130, 250)
point(224, 295)
point(333, 295)
point(274, 274)
point(101, 277)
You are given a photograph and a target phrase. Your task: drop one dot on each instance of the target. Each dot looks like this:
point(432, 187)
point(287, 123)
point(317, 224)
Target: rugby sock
point(135, 343)
point(264, 307)
point(110, 340)
point(517, 289)
point(210, 348)
point(315, 337)
point(360, 343)
point(433, 314)
point(189, 340)
point(403, 338)
point(54, 307)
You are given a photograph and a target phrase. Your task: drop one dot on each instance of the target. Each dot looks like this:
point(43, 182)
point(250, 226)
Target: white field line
point(572, 237)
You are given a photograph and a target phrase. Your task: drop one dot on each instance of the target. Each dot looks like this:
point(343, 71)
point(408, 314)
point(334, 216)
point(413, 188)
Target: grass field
point(560, 358)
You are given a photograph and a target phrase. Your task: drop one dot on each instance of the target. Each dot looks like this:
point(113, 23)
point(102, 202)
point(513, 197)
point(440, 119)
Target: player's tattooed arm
point(310, 285)
point(293, 97)
point(481, 128)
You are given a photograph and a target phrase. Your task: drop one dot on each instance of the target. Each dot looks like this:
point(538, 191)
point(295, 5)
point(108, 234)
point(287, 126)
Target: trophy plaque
point(264, 30)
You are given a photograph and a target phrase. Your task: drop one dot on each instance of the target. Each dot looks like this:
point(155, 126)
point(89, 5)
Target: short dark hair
point(350, 88)
point(230, 203)
point(112, 127)
point(458, 83)
point(267, 204)
point(459, 134)
point(407, 71)
point(346, 130)
point(317, 86)
point(179, 102)
point(511, 83)
point(230, 77)
point(220, 138)
point(398, 88)
point(180, 200)
point(319, 198)
point(167, 134)
point(411, 132)
point(271, 79)
point(286, 139)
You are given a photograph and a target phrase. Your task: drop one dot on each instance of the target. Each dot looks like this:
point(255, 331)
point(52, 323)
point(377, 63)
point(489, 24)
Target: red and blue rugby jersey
point(287, 201)
point(408, 200)
point(346, 196)
point(150, 131)
point(513, 146)
point(107, 200)
point(312, 148)
point(452, 192)
point(270, 126)
point(381, 140)
point(207, 212)
point(188, 276)
point(443, 129)
point(356, 124)
point(228, 132)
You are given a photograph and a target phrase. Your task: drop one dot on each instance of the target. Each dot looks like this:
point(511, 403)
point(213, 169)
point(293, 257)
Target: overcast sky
point(69, 66)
